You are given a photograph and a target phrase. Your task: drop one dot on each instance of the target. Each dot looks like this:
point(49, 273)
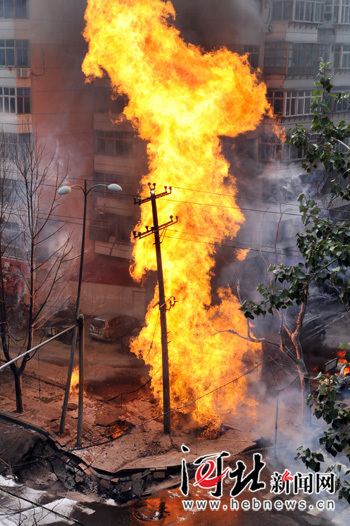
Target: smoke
point(285, 435)
point(210, 23)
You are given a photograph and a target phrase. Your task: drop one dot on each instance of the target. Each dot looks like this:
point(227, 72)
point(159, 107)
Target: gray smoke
point(211, 23)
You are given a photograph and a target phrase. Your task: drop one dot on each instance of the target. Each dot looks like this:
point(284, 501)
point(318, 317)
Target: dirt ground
point(122, 431)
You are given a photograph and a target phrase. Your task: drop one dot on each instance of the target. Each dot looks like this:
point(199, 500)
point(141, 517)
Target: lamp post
point(63, 190)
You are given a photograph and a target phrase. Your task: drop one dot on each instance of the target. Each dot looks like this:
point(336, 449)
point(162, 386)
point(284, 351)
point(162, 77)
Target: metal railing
point(80, 325)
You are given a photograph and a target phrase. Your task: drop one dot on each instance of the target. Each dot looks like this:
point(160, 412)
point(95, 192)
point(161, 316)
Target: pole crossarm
point(151, 230)
point(167, 191)
point(37, 347)
point(170, 301)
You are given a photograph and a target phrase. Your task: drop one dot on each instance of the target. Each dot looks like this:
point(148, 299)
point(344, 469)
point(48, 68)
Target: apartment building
point(43, 94)
point(297, 35)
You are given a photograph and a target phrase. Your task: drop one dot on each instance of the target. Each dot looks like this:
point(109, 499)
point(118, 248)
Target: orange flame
point(74, 385)
point(180, 101)
point(342, 360)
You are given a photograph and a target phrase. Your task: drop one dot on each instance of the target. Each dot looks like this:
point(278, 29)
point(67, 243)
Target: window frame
point(14, 53)
point(298, 103)
point(15, 101)
point(308, 11)
point(276, 98)
point(114, 143)
point(14, 9)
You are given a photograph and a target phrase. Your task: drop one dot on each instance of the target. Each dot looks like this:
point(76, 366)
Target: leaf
point(314, 465)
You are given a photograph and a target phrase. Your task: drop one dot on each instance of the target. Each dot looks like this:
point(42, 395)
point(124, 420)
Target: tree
point(324, 247)
point(324, 243)
point(30, 206)
point(335, 439)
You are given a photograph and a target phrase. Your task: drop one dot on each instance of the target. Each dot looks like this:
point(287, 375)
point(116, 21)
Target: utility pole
point(155, 229)
point(81, 378)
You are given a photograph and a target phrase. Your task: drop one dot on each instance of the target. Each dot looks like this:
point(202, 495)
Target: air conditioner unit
point(23, 73)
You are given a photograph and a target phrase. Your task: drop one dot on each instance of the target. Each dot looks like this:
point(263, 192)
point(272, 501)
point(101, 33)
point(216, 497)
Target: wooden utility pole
point(155, 229)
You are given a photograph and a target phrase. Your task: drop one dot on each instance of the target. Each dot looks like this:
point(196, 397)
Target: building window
point(276, 55)
point(275, 98)
point(337, 11)
point(306, 56)
point(282, 10)
point(112, 228)
point(342, 56)
point(13, 9)
point(253, 55)
point(291, 153)
point(342, 102)
point(15, 100)
point(22, 53)
point(12, 144)
point(344, 12)
point(270, 148)
point(23, 100)
point(300, 11)
point(12, 188)
point(116, 143)
point(8, 100)
point(294, 58)
point(14, 53)
point(328, 11)
point(298, 102)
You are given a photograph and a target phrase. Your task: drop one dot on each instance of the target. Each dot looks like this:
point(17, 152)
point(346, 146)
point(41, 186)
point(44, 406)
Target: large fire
point(181, 100)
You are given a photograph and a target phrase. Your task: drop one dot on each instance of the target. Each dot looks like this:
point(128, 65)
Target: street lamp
point(63, 190)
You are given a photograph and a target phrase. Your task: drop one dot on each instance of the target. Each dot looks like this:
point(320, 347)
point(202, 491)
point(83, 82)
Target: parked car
point(112, 327)
point(61, 320)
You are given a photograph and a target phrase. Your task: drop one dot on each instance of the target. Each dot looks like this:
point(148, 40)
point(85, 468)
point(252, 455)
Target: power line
point(214, 205)
point(273, 252)
point(248, 247)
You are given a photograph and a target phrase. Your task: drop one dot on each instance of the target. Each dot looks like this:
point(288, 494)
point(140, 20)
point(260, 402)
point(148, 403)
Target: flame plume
point(180, 101)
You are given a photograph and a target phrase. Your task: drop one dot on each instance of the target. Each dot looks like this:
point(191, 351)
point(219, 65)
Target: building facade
point(44, 98)
point(43, 93)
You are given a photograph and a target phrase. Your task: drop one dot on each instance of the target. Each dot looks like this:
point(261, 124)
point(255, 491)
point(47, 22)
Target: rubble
point(37, 458)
